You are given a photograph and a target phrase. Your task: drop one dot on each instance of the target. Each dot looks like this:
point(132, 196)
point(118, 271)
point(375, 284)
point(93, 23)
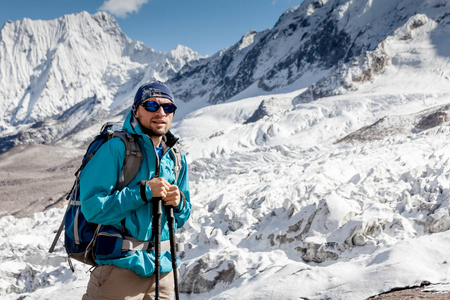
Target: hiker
point(130, 210)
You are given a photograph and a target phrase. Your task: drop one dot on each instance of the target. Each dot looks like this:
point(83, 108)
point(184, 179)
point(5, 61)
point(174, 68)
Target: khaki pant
point(114, 283)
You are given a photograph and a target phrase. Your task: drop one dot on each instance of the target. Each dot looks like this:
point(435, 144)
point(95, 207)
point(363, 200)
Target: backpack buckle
point(151, 246)
point(135, 153)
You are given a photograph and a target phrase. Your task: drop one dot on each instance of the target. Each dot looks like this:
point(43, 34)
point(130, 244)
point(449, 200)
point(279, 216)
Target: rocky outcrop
point(390, 126)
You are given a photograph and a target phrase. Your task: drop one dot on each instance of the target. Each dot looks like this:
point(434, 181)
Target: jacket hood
point(131, 125)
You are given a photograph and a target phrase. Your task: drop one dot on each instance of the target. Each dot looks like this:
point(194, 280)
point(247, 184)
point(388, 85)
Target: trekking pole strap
point(60, 230)
point(55, 240)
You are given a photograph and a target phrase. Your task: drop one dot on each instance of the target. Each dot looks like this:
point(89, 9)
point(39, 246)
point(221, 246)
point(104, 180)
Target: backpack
point(81, 236)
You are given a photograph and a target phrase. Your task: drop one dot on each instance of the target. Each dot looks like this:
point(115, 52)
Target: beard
point(150, 131)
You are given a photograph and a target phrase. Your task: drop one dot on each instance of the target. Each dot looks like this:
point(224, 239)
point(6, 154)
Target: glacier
point(333, 187)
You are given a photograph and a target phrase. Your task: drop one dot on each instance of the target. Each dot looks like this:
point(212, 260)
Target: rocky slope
point(329, 46)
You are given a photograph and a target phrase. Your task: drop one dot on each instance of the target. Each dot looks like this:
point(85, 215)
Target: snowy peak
point(27, 34)
point(247, 40)
point(36, 57)
point(183, 51)
point(180, 56)
point(48, 67)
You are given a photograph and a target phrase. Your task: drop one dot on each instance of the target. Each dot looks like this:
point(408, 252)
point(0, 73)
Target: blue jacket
point(102, 204)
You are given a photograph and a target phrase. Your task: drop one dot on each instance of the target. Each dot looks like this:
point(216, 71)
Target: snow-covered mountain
point(330, 184)
point(78, 62)
point(326, 45)
point(85, 65)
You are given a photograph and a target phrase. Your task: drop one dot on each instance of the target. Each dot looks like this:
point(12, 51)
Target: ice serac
point(49, 67)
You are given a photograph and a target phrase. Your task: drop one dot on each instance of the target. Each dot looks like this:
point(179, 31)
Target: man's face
point(155, 123)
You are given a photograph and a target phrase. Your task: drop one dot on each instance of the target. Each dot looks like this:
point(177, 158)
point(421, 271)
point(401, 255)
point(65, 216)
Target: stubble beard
point(151, 132)
point(146, 128)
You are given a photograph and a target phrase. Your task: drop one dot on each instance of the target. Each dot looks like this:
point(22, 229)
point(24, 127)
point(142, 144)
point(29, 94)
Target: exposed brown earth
point(35, 178)
point(412, 293)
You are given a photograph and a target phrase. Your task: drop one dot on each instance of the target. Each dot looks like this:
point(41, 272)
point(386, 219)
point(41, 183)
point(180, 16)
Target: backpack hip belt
point(133, 244)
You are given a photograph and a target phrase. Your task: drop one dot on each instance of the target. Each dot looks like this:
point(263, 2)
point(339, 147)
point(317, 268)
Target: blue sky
point(205, 26)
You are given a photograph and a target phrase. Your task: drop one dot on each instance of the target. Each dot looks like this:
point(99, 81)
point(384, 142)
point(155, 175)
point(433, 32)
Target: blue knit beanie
point(152, 89)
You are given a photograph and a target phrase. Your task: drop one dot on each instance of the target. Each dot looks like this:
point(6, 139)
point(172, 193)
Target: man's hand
point(168, 192)
point(159, 187)
point(172, 197)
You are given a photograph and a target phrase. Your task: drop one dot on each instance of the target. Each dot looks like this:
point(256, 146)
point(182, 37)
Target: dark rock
point(260, 113)
point(194, 281)
point(432, 120)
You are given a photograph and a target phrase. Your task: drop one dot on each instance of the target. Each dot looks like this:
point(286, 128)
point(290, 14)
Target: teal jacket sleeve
point(100, 202)
point(183, 210)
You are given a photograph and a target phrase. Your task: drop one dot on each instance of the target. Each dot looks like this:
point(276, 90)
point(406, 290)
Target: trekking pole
point(157, 218)
point(173, 250)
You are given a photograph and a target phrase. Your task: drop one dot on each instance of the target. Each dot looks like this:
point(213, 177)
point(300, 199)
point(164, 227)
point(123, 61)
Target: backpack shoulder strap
point(131, 165)
point(133, 158)
point(176, 151)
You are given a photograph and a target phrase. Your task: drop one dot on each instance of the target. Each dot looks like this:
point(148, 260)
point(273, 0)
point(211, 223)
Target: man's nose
point(160, 111)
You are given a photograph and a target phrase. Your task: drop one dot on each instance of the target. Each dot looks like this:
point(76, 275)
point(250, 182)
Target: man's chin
point(154, 132)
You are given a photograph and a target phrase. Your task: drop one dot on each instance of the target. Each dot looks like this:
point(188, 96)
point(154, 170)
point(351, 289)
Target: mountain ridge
point(342, 37)
point(49, 66)
point(323, 48)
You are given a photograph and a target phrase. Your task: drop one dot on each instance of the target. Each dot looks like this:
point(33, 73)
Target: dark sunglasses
point(153, 106)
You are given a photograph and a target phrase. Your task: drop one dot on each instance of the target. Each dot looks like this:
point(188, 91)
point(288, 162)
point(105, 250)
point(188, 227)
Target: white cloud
point(121, 8)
